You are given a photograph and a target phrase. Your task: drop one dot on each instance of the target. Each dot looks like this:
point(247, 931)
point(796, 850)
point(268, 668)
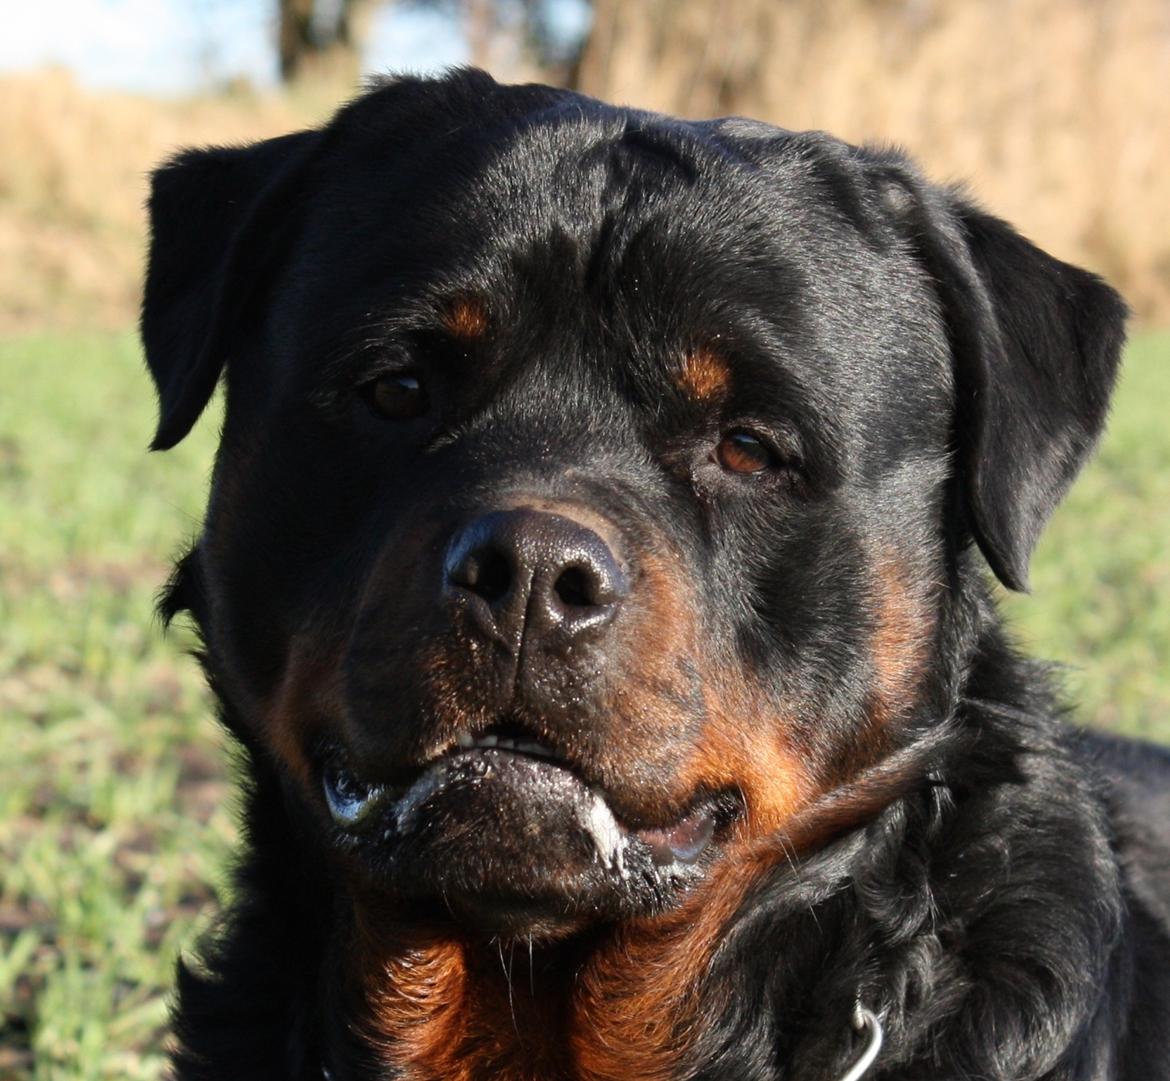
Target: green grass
point(1100, 600)
point(115, 818)
point(115, 811)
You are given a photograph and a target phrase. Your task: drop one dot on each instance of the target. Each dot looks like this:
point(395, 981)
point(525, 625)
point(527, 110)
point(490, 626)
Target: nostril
point(486, 572)
point(576, 588)
point(495, 576)
point(522, 571)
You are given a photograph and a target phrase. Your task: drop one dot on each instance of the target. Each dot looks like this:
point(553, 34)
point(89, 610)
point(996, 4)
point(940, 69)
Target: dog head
point(594, 486)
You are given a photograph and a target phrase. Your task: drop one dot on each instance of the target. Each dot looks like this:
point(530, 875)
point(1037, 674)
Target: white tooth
point(486, 741)
point(464, 739)
point(507, 744)
point(606, 833)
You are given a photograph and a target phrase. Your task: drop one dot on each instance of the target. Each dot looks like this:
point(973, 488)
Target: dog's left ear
point(217, 219)
point(1036, 345)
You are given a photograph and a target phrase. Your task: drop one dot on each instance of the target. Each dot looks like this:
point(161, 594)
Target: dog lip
point(350, 799)
point(591, 808)
point(352, 802)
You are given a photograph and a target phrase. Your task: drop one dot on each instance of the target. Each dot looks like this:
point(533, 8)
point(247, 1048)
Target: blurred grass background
point(116, 819)
point(115, 812)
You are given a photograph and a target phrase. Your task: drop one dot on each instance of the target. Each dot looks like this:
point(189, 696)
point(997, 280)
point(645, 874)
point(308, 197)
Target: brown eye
point(743, 452)
point(399, 396)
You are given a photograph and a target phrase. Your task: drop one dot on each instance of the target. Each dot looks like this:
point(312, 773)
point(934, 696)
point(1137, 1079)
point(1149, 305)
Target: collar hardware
point(865, 1021)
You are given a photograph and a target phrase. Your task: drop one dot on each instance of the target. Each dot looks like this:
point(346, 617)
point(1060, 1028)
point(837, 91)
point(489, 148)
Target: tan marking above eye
point(704, 375)
point(466, 318)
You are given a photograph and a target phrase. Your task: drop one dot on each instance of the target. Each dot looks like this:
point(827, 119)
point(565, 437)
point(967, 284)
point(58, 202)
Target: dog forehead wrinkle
point(636, 324)
point(571, 426)
point(579, 177)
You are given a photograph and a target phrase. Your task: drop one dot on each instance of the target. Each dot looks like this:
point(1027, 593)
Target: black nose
point(530, 572)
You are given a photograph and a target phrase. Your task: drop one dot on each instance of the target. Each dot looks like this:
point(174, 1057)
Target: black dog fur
point(458, 299)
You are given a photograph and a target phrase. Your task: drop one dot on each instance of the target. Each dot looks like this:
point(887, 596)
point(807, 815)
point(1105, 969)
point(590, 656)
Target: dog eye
point(741, 451)
point(398, 396)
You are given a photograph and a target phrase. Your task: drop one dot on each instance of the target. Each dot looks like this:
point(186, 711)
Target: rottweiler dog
point(595, 578)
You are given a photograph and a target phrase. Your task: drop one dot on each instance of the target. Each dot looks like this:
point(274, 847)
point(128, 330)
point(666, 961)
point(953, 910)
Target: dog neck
point(634, 1000)
point(433, 1015)
point(613, 1004)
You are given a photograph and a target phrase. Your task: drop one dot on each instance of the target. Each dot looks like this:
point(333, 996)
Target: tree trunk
point(317, 51)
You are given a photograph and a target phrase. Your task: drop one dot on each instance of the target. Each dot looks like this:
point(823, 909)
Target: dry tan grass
point(1056, 112)
point(73, 170)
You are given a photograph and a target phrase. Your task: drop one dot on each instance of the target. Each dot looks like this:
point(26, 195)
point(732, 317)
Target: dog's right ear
point(217, 219)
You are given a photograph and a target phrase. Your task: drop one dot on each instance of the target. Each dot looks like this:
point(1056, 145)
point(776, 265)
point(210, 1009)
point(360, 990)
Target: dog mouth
point(516, 792)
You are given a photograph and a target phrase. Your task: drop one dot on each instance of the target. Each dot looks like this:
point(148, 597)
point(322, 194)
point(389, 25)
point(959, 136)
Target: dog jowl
point(596, 577)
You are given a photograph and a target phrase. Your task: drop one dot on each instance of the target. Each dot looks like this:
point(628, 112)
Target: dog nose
point(526, 571)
